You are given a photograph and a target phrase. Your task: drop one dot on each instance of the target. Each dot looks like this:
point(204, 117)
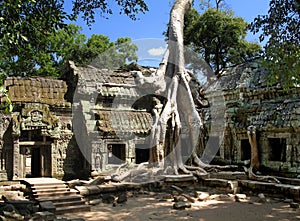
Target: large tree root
point(171, 78)
point(254, 164)
point(269, 179)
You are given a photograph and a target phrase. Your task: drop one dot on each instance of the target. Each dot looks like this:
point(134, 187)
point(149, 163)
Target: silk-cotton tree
point(172, 80)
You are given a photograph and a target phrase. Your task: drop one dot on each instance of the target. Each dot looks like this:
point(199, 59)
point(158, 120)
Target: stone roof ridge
point(122, 110)
point(38, 89)
point(249, 75)
point(44, 80)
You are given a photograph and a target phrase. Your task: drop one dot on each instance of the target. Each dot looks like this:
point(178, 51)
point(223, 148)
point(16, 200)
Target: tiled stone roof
point(248, 75)
point(37, 90)
point(270, 114)
point(115, 121)
point(107, 83)
point(242, 95)
point(91, 74)
point(107, 91)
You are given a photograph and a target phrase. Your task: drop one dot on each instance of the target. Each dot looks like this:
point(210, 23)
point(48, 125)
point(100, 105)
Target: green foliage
point(5, 102)
point(28, 29)
point(88, 8)
point(116, 56)
point(98, 50)
point(69, 44)
point(219, 38)
point(24, 26)
point(282, 51)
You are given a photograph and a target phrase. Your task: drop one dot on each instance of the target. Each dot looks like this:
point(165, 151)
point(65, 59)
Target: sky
point(154, 22)
point(147, 31)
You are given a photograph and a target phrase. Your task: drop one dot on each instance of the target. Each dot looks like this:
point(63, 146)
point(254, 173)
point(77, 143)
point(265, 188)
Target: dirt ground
point(152, 206)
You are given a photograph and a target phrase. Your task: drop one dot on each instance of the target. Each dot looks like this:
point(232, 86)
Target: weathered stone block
point(294, 205)
point(181, 205)
point(47, 206)
point(44, 215)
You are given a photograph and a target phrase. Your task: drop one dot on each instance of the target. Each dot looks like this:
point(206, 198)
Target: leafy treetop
point(280, 28)
point(219, 37)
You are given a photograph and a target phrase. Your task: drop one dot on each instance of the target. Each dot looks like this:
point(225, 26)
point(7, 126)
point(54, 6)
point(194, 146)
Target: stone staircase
point(64, 199)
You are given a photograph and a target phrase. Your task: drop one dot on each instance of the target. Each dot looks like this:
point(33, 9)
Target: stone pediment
point(37, 116)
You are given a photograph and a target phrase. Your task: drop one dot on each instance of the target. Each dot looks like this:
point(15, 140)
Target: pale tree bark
point(171, 80)
point(179, 106)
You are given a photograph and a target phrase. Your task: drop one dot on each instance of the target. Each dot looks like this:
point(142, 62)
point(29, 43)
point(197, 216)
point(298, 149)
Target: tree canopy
point(280, 28)
point(219, 37)
point(69, 44)
point(27, 25)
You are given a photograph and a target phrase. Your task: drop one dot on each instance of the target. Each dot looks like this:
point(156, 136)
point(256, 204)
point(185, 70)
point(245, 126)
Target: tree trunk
point(251, 132)
point(254, 163)
point(172, 78)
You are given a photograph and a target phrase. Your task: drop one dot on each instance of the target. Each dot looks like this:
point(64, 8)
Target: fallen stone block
point(202, 196)
point(294, 205)
point(13, 215)
point(47, 206)
point(178, 189)
point(95, 202)
point(122, 198)
point(181, 205)
point(108, 198)
point(44, 216)
point(179, 178)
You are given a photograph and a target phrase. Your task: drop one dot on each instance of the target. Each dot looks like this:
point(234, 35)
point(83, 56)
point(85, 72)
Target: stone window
point(245, 149)
point(105, 102)
point(116, 153)
point(277, 149)
point(142, 153)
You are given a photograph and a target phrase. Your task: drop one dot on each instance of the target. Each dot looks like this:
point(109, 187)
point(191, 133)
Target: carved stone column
point(16, 158)
point(97, 156)
point(16, 147)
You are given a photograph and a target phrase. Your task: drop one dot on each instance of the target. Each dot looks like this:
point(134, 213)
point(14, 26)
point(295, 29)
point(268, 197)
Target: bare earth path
point(143, 207)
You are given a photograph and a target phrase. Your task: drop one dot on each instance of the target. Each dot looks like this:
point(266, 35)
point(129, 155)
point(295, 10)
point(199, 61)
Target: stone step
point(42, 181)
point(55, 194)
point(64, 199)
point(68, 203)
point(50, 190)
point(61, 199)
point(49, 186)
point(70, 209)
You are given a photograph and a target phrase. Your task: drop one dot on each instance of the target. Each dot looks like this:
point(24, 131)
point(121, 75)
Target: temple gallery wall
point(90, 120)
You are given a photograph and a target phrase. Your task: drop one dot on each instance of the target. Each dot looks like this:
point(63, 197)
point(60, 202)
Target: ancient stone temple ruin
point(86, 121)
point(241, 98)
point(111, 123)
point(93, 119)
point(37, 135)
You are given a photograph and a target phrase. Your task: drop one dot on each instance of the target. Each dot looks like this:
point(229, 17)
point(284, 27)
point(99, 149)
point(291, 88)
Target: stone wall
point(39, 129)
point(242, 98)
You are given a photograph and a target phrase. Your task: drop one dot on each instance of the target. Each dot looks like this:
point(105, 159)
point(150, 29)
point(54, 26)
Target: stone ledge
point(271, 188)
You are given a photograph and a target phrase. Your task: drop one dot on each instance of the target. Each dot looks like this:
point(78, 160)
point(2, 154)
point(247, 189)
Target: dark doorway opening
point(116, 153)
point(245, 150)
point(36, 162)
point(277, 149)
point(142, 153)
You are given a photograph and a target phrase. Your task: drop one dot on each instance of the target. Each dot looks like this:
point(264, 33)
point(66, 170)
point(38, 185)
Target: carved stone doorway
point(35, 160)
